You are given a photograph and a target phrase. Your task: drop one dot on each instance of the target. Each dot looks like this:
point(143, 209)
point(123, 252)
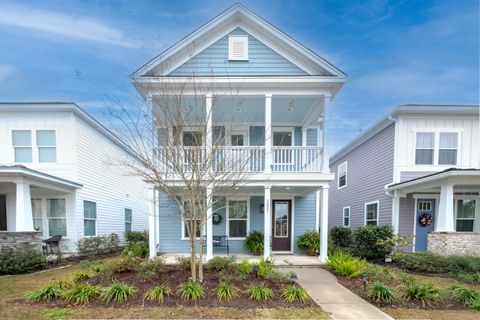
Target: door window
point(281, 219)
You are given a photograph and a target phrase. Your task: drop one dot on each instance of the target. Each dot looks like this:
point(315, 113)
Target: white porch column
point(395, 212)
point(209, 224)
point(326, 156)
point(152, 224)
point(445, 219)
point(24, 218)
point(267, 223)
point(324, 227)
point(268, 133)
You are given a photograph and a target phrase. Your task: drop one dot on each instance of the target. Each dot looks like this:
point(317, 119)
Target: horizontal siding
point(370, 168)
point(311, 137)
point(304, 219)
point(406, 214)
point(409, 175)
point(213, 61)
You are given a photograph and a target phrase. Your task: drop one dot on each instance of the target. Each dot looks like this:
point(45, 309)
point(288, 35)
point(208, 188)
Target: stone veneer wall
point(19, 240)
point(454, 243)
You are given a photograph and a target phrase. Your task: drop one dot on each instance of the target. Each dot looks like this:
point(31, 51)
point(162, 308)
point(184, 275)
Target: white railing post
point(324, 226)
point(267, 222)
point(268, 133)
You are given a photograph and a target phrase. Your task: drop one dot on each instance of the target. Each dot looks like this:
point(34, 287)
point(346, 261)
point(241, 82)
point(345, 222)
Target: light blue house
point(263, 98)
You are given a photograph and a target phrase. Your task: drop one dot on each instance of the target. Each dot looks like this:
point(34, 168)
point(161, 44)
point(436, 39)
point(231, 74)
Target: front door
point(424, 220)
point(3, 212)
point(281, 225)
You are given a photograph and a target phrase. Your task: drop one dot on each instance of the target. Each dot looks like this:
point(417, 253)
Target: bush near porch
point(17, 261)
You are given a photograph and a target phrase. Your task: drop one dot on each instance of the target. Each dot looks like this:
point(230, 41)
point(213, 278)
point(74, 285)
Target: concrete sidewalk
point(337, 301)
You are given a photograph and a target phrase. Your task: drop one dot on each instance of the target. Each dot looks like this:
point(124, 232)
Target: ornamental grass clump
point(46, 293)
point(226, 291)
point(191, 291)
point(292, 293)
point(426, 293)
point(80, 294)
point(80, 276)
point(118, 292)
point(380, 293)
point(259, 292)
point(346, 265)
point(158, 293)
point(465, 296)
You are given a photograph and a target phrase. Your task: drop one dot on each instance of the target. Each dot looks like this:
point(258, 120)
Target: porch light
point(236, 188)
point(287, 188)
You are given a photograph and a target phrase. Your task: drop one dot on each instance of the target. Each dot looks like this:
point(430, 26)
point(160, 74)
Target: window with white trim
point(57, 217)
point(89, 218)
point(237, 218)
point(128, 220)
point(346, 216)
point(342, 175)
point(37, 215)
point(46, 144)
point(238, 47)
point(371, 213)
point(22, 145)
point(447, 152)
point(425, 146)
point(465, 215)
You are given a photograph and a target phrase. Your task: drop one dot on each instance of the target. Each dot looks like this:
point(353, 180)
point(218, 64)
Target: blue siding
point(304, 219)
point(213, 61)
point(257, 135)
point(170, 227)
point(312, 137)
point(298, 136)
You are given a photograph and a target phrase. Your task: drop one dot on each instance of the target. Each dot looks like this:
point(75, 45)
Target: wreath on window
point(425, 219)
point(216, 218)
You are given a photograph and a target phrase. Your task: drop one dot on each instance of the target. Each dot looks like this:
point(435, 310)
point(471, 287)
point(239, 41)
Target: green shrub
point(219, 264)
point(80, 294)
point(422, 262)
point(419, 291)
point(149, 270)
point(231, 277)
point(464, 264)
point(265, 266)
point(137, 249)
point(379, 273)
point(464, 294)
point(108, 271)
point(293, 293)
point(279, 276)
point(380, 293)
point(310, 242)
point(21, 260)
point(254, 242)
point(341, 237)
point(346, 265)
point(474, 304)
point(184, 263)
point(158, 293)
point(118, 292)
point(373, 242)
point(259, 292)
point(473, 278)
point(137, 236)
point(245, 266)
point(226, 291)
point(80, 276)
point(46, 293)
point(191, 291)
point(126, 264)
point(92, 246)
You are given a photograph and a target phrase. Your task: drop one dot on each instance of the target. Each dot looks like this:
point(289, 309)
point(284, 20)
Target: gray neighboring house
point(417, 169)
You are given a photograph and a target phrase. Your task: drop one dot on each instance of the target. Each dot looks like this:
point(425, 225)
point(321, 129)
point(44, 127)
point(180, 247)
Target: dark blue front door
point(425, 214)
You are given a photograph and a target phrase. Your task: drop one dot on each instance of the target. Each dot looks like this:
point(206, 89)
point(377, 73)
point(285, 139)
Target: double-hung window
point(22, 145)
point(342, 175)
point(425, 146)
point(465, 215)
point(371, 213)
point(447, 152)
point(128, 220)
point(46, 144)
point(346, 216)
point(89, 218)
point(57, 218)
point(237, 218)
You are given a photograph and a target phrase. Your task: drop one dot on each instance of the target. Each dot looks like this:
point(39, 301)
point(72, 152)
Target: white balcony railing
point(244, 159)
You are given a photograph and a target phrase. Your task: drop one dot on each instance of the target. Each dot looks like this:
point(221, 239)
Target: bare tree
point(184, 156)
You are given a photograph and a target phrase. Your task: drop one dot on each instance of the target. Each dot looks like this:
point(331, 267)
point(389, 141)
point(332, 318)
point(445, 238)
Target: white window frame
point(433, 148)
point(193, 129)
point(96, 214)
point(476, 219)
point(32, 137)
point(436, 149)
point(247, 200)
point(128, 221)
point(456, 149)
point(365, 212)
point(49, 146)
point(284, 129)
point(345, 163)
point(47, 229)
point(349, 216)
point(238, 38)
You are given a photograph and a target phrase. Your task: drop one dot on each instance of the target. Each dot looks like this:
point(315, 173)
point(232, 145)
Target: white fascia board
point(34, 174)
point(435, 178)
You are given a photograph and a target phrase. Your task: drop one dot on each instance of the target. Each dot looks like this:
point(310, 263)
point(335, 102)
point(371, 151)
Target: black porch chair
point(50, 243)
point(218, 242)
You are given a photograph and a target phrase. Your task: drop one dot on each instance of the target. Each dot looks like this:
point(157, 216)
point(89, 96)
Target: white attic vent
point(238, 48)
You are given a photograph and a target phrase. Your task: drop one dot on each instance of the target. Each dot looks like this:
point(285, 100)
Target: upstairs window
point(371, 213)
point(447, 153)
point(425, 145)
point(342, 175)
point(46, 143)
point(346, 216)
point(238, 48)
point(22, 145)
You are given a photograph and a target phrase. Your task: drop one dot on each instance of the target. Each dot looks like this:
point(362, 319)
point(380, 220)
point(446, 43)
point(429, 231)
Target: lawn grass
point(13, 306)
point(402, 313)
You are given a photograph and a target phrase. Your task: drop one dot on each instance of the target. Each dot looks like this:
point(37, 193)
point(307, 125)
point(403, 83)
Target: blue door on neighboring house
point(425, 215)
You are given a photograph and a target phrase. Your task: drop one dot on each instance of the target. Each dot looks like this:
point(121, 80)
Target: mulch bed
point(173, 276)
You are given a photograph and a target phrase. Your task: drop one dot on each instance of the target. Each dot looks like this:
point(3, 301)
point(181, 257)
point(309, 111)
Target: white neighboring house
point(56, 176)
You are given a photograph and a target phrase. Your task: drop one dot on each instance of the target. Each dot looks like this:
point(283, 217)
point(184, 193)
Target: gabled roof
point(402, 109)
point(234, 17)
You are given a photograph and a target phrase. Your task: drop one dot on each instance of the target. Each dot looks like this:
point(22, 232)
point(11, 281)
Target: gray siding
point(406, 213)
point(369, 169)
point(213, 61)
point(409, 175)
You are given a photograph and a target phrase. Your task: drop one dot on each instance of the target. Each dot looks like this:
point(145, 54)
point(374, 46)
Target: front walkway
point(337, 301)
point(279, 259)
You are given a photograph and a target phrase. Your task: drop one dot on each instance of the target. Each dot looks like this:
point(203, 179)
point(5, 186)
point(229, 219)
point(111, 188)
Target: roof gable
point(235, 17)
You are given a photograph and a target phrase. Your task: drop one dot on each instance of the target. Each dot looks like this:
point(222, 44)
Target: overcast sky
point(394, 52)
